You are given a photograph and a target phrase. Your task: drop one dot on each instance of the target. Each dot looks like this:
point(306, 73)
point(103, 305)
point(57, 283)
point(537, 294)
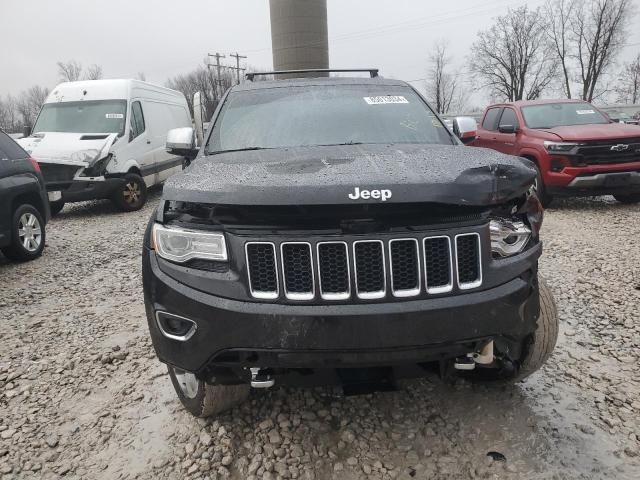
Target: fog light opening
point(175, 327)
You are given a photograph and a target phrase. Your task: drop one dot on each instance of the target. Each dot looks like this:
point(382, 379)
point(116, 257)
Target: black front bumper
point(82, 190)
point(241, 334)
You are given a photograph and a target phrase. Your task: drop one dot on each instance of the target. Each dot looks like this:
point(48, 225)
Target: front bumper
point(244, 334)
point(601, 184)
point(90, 189)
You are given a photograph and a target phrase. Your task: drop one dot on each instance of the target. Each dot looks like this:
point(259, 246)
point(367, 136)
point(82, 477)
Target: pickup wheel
point(541, 191)
point(202, 399)
point(132, 195)
point(56, 207)
point(628, 198)
point(540, 346)
point(27, 234)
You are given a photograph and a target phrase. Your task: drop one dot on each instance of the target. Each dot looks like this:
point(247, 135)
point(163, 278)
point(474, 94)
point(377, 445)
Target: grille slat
point(469, 268)
point(297, 270)
point(263, 274)
point(370, 270)
point(333, 270)
point(405, 267)
point(438, 264)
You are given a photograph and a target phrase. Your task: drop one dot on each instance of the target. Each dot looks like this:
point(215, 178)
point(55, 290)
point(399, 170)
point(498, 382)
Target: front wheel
point(202, 399)
point(628, 198)
point(27, 234)
point(132, 195)
point(541, 190)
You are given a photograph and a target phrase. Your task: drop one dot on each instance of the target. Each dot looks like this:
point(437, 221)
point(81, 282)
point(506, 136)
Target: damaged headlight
point(508, 237)
point(180, 245)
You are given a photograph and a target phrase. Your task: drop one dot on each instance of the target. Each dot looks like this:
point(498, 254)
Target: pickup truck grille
point(368, 269)
point(608, 152)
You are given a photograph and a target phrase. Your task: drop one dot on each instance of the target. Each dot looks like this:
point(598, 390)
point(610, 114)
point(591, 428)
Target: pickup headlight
point(508, 237)
point(180, 245)
point(560, 147)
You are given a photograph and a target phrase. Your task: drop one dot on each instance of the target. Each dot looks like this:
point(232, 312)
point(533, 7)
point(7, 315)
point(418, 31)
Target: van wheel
point(628, 198)
point(202, 399)
point(56, 207)
point(27, 233)
point(132, 195)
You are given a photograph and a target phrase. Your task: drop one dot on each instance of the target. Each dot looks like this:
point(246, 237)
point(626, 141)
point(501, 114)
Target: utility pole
point(218, 67)
point(237, 67)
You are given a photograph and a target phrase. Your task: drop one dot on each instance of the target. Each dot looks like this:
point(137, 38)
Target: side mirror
point(465, 128)
point(181, 142)
point(26, 130)
point(508, 129)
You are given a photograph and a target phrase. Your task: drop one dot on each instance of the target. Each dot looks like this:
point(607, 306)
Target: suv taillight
point(35, 164)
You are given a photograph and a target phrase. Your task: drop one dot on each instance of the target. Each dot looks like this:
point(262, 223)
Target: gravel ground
point(82, 395)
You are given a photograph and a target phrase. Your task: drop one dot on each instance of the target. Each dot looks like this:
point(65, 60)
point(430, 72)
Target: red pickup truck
point(577, 150)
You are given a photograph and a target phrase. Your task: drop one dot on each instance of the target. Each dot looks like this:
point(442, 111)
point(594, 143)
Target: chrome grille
point(263, 274)
point(297, 270)
point(333, 270)
point(468, 265)
point(366, 269)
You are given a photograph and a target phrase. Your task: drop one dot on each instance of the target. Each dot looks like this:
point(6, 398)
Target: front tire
point(541, 189)
point(132, 195)
point(202, 399)
point(541, 345)
point(629, 198)
point(27, 233)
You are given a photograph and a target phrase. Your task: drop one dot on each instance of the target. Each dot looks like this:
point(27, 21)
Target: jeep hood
point(605, 131)
point(81, 149)
point(328, 174)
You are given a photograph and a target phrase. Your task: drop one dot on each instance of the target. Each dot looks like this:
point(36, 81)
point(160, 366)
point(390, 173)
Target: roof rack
point(373, 72)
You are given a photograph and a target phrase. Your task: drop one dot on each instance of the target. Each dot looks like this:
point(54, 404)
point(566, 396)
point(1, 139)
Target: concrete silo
point(299, 36)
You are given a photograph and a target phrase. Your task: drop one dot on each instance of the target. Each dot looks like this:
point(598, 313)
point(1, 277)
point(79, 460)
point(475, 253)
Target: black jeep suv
point(335, 225)
point(24, 206)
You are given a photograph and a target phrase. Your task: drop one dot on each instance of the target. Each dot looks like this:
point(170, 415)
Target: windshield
point(560, 114)
point(325, 115)
point(100, 116)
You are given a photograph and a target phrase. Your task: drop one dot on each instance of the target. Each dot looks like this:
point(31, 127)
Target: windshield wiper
point(245, 149)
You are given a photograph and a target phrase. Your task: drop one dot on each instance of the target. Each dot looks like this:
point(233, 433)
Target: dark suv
point(336, 227)
point(24, 207)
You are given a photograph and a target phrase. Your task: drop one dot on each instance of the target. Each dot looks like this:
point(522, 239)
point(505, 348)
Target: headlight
point(180, 245)
point(508, 237)
point(560, 147)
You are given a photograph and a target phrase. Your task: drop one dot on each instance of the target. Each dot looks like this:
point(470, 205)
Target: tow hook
point(260, 379)
point(484, 357)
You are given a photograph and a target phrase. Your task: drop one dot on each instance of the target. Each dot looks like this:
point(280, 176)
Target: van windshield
point(551, 115)
point(325, 115)
point(95, 116)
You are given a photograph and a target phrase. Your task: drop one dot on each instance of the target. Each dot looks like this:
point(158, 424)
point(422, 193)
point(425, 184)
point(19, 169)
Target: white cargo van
point(106, 139)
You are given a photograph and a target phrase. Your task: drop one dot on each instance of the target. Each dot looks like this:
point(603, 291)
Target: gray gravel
point(82, 395)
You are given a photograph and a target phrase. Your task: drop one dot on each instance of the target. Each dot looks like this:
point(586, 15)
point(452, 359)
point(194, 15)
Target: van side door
point(139, 147)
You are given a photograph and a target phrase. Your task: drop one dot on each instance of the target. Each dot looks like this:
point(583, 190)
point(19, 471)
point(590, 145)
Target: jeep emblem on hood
point(383, 195)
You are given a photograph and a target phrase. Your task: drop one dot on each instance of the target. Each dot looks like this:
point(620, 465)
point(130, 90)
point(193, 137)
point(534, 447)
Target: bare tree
point(202, 80)
point(511, 58)
point(560, 14)
point(628, 87)
point(94, 72)
point(69, 71)
point(9, 115)
point(141, 76)
point(442, 87)
point(598, 29)
point(30, 102)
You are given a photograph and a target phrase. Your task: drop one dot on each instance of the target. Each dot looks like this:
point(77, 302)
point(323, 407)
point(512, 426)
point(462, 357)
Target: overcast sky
point(165, 37)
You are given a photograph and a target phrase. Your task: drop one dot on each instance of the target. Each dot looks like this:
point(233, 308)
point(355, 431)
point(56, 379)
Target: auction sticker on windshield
point(585, 112)
point(385, 99)
point(114, 115)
